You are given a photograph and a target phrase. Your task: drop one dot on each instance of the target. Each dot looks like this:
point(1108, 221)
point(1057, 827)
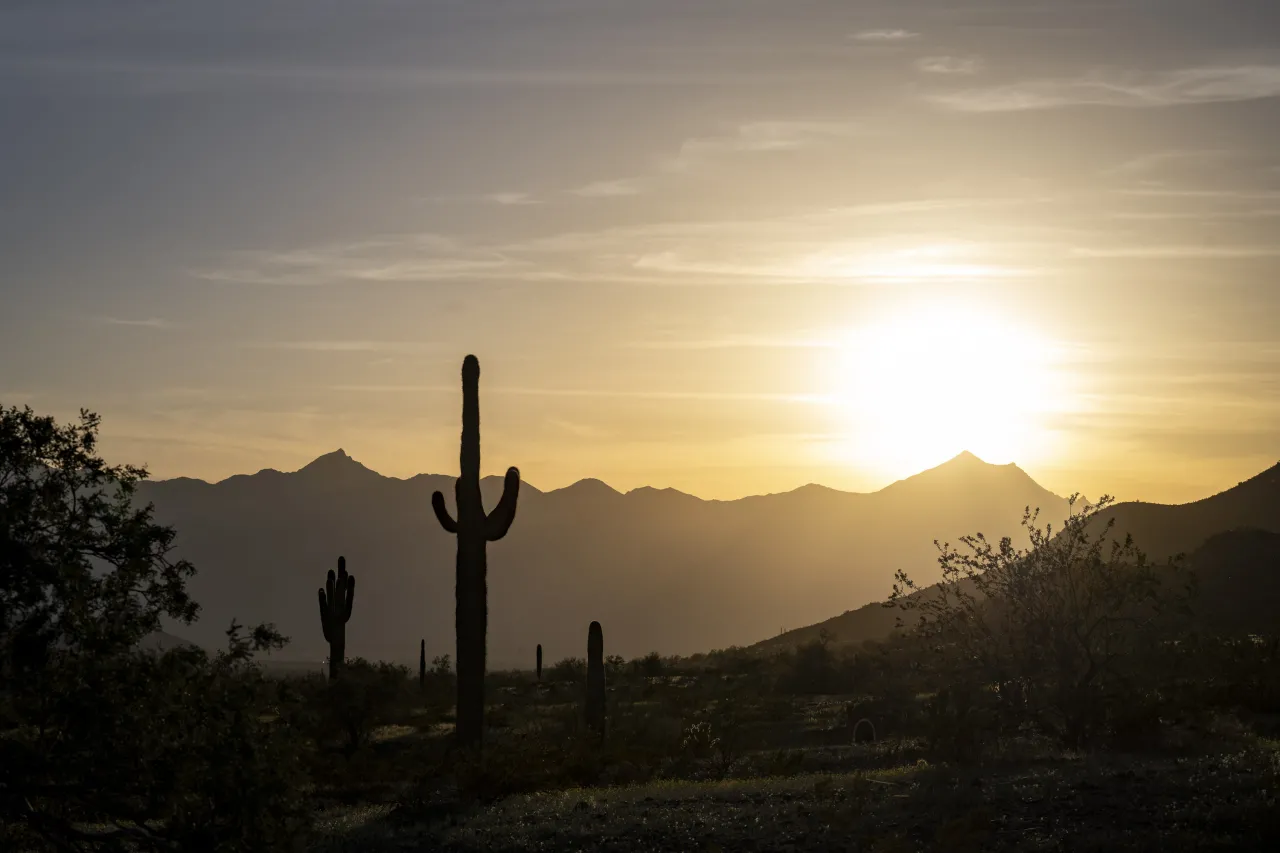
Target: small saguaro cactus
point(336, 598)
point(422, 666)
point(474, 529)
point(595, 679)
point(538, 671)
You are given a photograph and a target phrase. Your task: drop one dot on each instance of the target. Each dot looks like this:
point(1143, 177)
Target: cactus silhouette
point(422, 666)
point(336, 597)
point(474, 528)
point(539, 670)
point(595, 679)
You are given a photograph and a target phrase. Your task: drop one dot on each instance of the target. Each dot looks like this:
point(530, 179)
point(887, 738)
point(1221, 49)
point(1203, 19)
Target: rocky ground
point(1212, 802)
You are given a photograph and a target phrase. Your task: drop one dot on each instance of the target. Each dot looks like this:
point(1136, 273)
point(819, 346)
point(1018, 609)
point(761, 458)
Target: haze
point(727, 247)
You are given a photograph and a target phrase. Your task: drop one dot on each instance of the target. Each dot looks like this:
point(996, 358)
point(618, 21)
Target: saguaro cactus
point(336, 598)
point(422, 666)
point(595, 679)
point(474, 528)
point(539, 669)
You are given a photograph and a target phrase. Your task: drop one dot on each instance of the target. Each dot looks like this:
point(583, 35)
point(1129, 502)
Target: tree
point(1053, 630)
point(102, 744)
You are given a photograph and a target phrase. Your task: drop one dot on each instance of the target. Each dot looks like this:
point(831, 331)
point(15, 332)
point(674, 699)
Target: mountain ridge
point(661, 569)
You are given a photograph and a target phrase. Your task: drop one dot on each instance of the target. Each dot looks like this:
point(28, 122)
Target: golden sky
point(727, 247)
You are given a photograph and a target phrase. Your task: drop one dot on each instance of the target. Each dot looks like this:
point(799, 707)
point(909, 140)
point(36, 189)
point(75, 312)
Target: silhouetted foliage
point(1055, 631)
point(100, 743)
point(474, 528)
point(595, 704)
point(336, 598)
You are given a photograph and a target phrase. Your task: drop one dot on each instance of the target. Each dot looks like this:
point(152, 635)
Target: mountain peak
point(590, 486)
point(330, 463)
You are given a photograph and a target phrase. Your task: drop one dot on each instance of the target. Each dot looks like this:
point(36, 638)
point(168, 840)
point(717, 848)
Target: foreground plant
point(1058, 627)
point(474, 529)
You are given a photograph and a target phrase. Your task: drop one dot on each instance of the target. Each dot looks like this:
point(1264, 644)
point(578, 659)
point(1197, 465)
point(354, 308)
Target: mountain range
point(1231, 540)
point(660, 569)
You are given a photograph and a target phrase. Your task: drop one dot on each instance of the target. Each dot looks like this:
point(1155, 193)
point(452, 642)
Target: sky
point(727, 247)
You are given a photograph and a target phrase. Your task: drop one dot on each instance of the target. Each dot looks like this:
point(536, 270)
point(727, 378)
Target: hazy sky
point(730, 247)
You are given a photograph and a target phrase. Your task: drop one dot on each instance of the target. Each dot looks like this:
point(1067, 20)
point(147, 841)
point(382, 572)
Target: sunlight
point(925, 383)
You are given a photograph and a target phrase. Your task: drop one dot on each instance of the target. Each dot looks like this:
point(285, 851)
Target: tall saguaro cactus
point(336, 598)
point(539, 670)
point(474, 529)
point(422, 666)
point(595, 679)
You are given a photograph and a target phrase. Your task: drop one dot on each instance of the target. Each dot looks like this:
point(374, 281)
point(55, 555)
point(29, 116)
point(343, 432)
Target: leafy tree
point(1054, 630)
point(103, 745)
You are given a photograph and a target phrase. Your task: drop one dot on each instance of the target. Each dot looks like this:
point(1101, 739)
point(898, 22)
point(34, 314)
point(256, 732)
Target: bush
point(172, 751)
point(1070, 621)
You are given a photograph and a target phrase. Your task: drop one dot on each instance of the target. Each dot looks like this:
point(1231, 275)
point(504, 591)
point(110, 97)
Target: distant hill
point(660, 569)
point(160, 641)
point(1232, 539)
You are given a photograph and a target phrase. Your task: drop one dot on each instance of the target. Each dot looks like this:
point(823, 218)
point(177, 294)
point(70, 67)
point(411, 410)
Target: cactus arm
point(442, 514)
point(330, 589)
point(498, 522)
point(324, 615)
point(351, 597)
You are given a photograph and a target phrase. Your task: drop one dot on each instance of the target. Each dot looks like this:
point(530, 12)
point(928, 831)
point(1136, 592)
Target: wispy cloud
point(1155, 162)
point(511, 198)
point(760, 137)
point(141, 77)
point(611, 189)
point(401, 347)
point(612, 393)
point(739, 342)
point(884, 35)
point(394, 259)
point(1174, 88)
point(949, 64)
point(1180, 252)
point(148, 323)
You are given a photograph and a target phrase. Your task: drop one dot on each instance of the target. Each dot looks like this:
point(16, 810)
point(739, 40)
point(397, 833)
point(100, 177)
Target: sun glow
point(923, 384)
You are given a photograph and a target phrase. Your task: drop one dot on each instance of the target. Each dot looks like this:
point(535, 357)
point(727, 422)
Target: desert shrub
point(161, 751)
point(569, 669)
point(649, 666)
point(348, 709)
point(1071, 620)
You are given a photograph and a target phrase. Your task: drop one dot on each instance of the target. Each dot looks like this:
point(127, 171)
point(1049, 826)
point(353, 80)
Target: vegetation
point(1065, 695)
point(336, 598)
point(595, 702)
point(102, 744)
point(474, 528)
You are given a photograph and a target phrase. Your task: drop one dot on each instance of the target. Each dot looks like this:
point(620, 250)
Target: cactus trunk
point(336, 598)
point(474, 529)
point(595, 711)
point(422, 666)
point(539, 669)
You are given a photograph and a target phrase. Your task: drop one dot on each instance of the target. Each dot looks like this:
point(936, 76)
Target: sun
point(923, 383)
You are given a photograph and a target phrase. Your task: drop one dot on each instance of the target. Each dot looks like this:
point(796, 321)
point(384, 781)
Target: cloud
point(1173, 88)
point(760, 137)
point(1168, 160)
point(612, 393)
point(611, 189)
point(143, 78)
point(149, 323)
point(1180, 252)
point(511, 198)
point(738, 342)
point(393, 259)
point(885, 35)
point(402, 347)
point(949, 64)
